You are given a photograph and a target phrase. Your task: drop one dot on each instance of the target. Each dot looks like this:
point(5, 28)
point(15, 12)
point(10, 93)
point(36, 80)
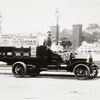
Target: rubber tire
point(94, 75)
point(81, 66)
point(17, 68)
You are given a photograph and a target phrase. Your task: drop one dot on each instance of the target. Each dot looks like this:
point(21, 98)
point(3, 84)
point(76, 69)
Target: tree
point(94, 30)
point(66, 43)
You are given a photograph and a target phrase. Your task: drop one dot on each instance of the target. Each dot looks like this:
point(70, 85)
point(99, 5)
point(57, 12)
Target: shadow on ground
point(50, 76)
point(56, 76)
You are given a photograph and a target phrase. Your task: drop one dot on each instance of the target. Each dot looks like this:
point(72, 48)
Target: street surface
point(47, 86)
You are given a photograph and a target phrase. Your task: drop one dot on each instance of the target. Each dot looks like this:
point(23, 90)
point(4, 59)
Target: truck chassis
point(23, 64)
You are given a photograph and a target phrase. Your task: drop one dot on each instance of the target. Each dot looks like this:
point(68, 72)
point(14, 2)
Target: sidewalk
point(4, 69)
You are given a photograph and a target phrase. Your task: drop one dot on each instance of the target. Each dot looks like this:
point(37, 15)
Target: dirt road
point(47, 86)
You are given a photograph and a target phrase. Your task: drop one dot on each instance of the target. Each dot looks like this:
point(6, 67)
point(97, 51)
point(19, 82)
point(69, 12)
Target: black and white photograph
point(49, 49)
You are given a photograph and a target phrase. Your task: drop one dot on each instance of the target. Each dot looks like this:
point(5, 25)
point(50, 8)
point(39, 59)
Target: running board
point(43, 69)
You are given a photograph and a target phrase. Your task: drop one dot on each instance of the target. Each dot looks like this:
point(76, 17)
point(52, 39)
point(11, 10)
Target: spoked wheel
point(81, 71)
point(19, 69)
point(94, 73)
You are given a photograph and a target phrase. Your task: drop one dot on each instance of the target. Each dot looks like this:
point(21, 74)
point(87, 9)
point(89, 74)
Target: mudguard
point(72, 66)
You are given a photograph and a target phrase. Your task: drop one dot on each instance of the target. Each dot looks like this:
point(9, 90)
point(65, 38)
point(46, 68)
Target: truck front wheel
point(94, 72)
point(81, 71)
point(19, 69)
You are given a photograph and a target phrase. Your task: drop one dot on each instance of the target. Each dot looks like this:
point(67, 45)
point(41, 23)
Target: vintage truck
point(24, 64)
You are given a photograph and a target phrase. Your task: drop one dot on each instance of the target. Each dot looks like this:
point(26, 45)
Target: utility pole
point(57, 15)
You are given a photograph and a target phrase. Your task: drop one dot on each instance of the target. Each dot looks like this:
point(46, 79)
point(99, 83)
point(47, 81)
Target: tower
point(77, 35)
point(57, 15)
point(0, 30)
point(0, 24)
point(53, 31)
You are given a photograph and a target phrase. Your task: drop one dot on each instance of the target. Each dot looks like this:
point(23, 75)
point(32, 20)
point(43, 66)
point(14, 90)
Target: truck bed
point(12, 60)
point(10, 55)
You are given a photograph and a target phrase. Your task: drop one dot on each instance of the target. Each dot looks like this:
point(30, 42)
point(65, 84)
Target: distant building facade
point(53, 30)
point(0, 23)
point(65, 33)
point(74, 35)
point(77, 36)
point(18, 40)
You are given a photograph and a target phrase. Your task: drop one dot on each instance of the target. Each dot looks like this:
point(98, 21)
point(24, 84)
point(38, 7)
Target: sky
point(29, 16)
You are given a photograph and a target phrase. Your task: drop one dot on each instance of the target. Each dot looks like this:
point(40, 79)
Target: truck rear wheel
point(81, 71)
point(19, 69)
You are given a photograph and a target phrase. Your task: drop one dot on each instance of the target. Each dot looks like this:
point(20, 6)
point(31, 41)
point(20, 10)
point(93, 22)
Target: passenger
point(65, 55)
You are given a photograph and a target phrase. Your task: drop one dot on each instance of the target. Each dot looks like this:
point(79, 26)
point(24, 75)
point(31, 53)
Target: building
point(18, 40)
point(53, 30)
point(74, 35)
point(0, 23)
point(77, 36)
point(22, 40)
point(87, 49)
point(65, 33)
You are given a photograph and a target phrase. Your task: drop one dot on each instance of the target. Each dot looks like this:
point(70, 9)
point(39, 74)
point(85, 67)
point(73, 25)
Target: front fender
point(95, 66)
point(72, 66)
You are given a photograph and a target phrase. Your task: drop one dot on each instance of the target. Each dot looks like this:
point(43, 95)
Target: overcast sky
point(22, 16)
